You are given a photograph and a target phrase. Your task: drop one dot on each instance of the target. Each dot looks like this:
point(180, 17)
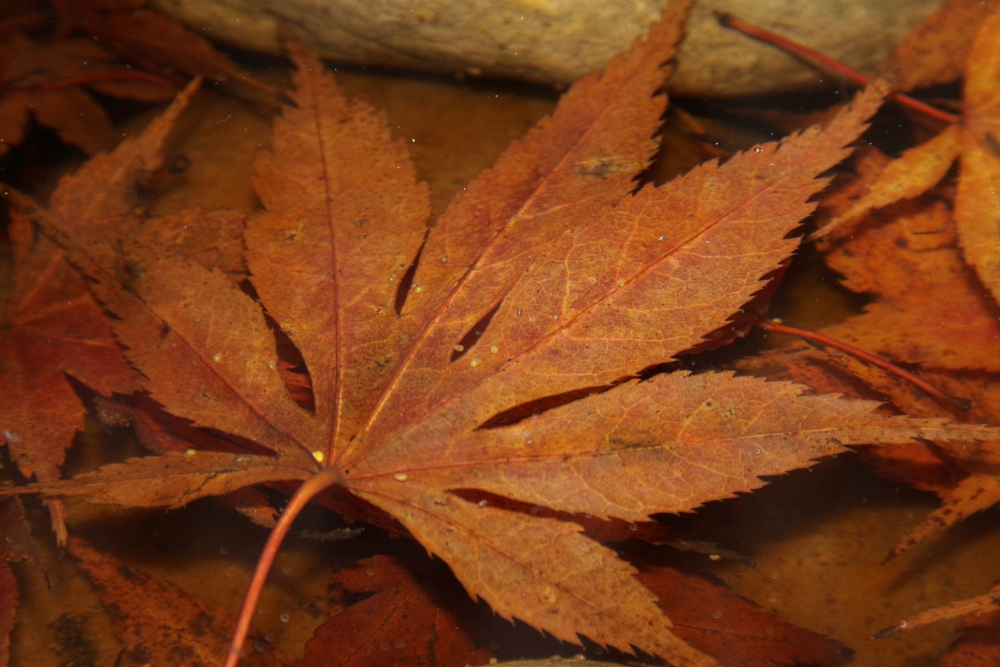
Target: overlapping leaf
point(546, 279)
point(976, 139)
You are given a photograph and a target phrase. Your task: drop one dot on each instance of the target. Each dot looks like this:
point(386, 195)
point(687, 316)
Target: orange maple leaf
point(549, 277)
point(976, 139)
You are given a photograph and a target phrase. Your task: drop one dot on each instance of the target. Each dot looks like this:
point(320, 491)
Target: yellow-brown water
point(818, 536)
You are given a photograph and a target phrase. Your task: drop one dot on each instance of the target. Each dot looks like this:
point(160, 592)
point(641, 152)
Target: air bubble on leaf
point(758, 149)
point(555, 317)
point(757, 451)
point(714, 557)
point(319, 456)
point(903, 625)
point(633, 527)
point(188, 453)
point(494, 349)
point(392, 277)
point(284, 618)
point(716, 615)
point(224, 551)
point(400, 477)
point(444, 259)
point(458, 348)
point(621, 283)
point(483, 503)
point(535, 510)
point(475, 362)
point(419, 288)
point(270, 365)
point(520, 312)
point(661, 239)
point(589, 515)
point(495, 644)
point(217, 357)
point(370, 572)
point(598, 650)
point(259, 646)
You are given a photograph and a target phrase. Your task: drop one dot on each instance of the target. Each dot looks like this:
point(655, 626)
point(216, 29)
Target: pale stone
point(558, 41)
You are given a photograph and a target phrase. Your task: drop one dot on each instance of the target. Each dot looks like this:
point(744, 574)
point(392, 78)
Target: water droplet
point(520, 312)
point(535, 510)
point(419, 288)
point(598, 650)
point(903, 625)
point(444, 259)
point(286, 571)
point(217, 357)
point(621, 283)
point(494, 349)
point(555, 317)
point(715, 557)
point(758, 149)
point(773, 575)
point(661, 239)
point(284, 618)
point(392, 277)
point(458, 348)
point(633, 527)
point(400, 477)
point(589, 515)
point(259, 646)
point(757, 451)
point(319, 456)
point(370, 572)
point(224, 551)
point(475, 362)
point(270, 365)
point(399, 643)
point(495, 645)
point(483, 503)
point(716, 615)
point(188, 453)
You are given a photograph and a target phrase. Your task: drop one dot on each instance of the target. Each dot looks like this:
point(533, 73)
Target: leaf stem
point(926, 387)
point(803, 51)
point(312, 486)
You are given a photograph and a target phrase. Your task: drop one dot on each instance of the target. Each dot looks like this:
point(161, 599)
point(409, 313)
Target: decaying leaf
point(51, 81)
point(158, 623)
point(52, 330)
point(976, 139)
point(498, 350)
point(152, 40)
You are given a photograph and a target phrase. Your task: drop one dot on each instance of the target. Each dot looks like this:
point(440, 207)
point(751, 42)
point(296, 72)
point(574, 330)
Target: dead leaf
point(734, 630)
point(154, 41)
point(8, 607)
point(978, 643)
point(412, 617)
point(547, 279)
point(976, 140)
point(935, 51)
point(158, 623)
point(52, 330)
point(50, 82)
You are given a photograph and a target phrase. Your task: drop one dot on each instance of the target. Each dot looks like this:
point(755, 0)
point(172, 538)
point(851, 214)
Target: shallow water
point(817, 536)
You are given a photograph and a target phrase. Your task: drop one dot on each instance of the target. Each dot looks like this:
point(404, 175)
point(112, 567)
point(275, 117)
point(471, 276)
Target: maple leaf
point(51, 82)
point(930, 312)
point(158, 623)
point(976, 140)
point(52, 329)
point(154, 41)
point(549, 277)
